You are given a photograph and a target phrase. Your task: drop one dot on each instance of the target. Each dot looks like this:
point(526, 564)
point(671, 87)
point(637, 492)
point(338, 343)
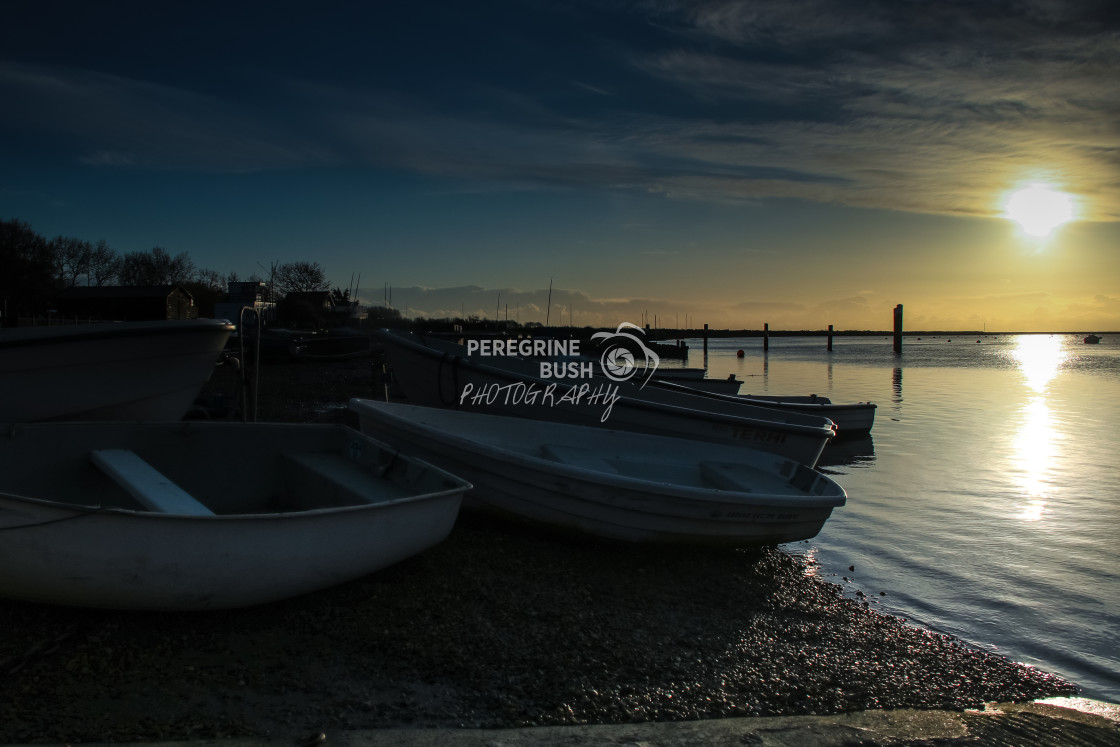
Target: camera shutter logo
point(621, 351)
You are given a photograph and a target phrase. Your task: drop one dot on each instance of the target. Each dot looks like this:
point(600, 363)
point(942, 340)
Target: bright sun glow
point(1038, 209)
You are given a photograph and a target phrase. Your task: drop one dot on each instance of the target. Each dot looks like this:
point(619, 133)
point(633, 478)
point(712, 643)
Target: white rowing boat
point(613, 484)
point(438, 373)
point(107, 371)
point(697, 378)
point(197, 515)
point(852, 419)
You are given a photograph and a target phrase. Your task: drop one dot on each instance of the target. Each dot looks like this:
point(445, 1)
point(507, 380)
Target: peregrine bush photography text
point(559, 362)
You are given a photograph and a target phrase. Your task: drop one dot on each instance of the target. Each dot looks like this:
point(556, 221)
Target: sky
point(798, 162)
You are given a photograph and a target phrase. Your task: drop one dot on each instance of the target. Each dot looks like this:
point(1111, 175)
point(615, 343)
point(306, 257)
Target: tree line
point(34, 270)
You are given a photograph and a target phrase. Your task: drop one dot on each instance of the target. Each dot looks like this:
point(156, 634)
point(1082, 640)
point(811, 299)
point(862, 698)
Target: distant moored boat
point(1092, 339)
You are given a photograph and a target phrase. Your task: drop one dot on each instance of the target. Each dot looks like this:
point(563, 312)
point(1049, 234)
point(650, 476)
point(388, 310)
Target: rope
point(81, 512)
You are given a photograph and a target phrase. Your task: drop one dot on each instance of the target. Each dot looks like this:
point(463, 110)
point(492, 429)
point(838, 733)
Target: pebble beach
point(500, 626)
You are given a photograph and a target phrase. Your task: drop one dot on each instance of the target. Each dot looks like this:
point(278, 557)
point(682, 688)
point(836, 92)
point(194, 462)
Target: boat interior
point(232, 472)
point(720, 475)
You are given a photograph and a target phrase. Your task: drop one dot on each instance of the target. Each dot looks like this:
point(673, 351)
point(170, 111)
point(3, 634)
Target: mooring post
point(766, 336)
point(705, 340)
point(830, 338)
point(898, 329)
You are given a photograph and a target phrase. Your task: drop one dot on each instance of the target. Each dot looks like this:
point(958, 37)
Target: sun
point(1039, 209)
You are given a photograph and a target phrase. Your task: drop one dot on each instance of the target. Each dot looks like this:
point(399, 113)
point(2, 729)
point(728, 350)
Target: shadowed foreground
point(496, 627)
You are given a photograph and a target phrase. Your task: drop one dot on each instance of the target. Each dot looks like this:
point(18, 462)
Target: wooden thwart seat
point(146, 484)
point(335, 480)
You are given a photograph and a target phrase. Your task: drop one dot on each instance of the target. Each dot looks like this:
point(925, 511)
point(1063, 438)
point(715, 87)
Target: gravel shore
point(499, 626)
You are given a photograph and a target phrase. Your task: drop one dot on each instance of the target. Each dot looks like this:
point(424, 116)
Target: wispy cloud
point(113, 120)
point(919, 108)
point(928, 107)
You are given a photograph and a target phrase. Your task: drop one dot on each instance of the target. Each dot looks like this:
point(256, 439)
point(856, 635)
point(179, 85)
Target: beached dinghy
point(852, 420)
point(439, 373)
point(697, 378)
point(196, 515)
point(107, 371)
point(613, 484)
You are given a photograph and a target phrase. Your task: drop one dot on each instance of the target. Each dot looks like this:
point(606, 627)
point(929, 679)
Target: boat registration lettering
point(757, 515)
point(757, 434)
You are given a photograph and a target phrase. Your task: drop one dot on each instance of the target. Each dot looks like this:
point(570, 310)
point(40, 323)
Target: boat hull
point(659, 498)
point(729, 386)
point(87, 548)
point(434, 373)
point(852, 420)
point(112, 371)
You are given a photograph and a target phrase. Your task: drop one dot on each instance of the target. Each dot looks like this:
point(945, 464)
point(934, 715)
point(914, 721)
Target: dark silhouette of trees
point(27, 271)
point(104, 265)
point(207, 287)
point(156, 267)
point(34, 270)
point(72, 259)
point(80, 262)
point(382, 315)
point(300, 277)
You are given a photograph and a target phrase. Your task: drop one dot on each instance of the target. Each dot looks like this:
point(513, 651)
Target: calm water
point(986, 503)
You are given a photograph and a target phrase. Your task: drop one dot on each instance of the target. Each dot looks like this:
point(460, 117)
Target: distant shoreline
point(693, 333)
point(487, 327)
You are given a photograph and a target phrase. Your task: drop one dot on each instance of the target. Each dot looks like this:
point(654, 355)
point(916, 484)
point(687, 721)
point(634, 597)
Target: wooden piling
point(898, 329)
point(830, 338)
point(705, 339)
point(766, 336)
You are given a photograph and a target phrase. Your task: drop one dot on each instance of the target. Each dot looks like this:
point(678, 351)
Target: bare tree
point(27, 279)
point(211, 279)
point(295, 277)
point(71, 259)
point(103, 264)
point(156, 267)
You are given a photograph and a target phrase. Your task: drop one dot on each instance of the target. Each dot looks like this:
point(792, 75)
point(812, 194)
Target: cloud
point(931, 108)
point(917, 107)
point(117, 121)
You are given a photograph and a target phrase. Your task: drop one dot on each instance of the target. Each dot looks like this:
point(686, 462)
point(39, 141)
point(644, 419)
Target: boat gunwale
point(827, 429)
point(78, 509)
point(15, 337)
point(192, 429)
point(769, 403)
point(676, 490)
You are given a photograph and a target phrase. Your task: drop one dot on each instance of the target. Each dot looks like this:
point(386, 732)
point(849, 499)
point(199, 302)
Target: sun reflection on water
point(1040, 359)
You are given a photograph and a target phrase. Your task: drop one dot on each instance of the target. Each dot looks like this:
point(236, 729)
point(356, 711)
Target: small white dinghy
point(107, 371)
point(852, 420)
point(435, 372)
point(613, 484)
point(195, 515)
